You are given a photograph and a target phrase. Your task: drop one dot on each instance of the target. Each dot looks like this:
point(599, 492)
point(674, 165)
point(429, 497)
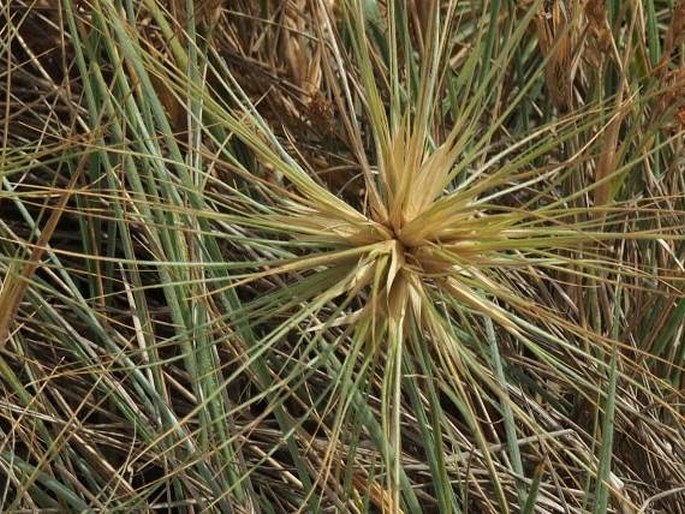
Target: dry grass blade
point(19, 274)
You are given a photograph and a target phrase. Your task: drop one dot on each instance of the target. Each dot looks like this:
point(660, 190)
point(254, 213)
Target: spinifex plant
point(349, 256)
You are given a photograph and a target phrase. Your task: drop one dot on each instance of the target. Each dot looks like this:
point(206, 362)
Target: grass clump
point(342, 256)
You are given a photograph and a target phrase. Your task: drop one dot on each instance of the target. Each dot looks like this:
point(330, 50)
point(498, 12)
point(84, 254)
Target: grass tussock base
point(342, 256)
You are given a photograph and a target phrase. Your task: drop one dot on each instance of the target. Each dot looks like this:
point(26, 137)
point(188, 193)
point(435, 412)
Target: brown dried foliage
point(557, 40)
point(568, 31)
